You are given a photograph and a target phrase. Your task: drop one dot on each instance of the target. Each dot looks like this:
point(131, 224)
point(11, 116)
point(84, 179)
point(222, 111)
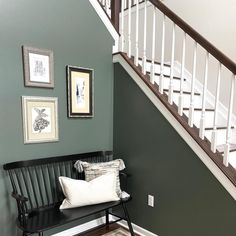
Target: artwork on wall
point(38, 67)
point(80, 92)
point(40, 119)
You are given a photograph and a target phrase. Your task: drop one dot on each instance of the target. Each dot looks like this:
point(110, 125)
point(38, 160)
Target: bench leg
point(128, 219)
point(107, 219)
point(40, 233)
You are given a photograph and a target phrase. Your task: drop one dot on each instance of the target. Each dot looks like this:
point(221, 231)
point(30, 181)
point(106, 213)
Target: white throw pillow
point(82, 193)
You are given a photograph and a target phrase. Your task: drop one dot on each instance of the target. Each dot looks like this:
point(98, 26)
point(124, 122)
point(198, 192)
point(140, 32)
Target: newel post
point(115, 12)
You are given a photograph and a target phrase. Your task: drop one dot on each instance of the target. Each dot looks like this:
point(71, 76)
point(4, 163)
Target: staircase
point(163, 51)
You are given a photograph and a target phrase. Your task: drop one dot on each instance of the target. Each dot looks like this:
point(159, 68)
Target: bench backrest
point(38, 181)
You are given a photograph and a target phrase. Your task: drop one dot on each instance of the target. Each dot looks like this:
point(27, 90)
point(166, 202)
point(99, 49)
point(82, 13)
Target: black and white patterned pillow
point(94, 170)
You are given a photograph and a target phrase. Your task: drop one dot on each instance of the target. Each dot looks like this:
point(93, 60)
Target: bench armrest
point(21, 205)
point(124, 180)
point(18, 197)
point(124, 174)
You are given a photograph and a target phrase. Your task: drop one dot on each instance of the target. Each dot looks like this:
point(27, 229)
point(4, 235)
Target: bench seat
point(42, 220)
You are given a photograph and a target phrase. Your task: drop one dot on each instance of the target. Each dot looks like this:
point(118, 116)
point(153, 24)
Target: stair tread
point(133, 5)
point(185, 92)
point(166, 76)
point(199, 109)
point(155, 62)
point(218, 128)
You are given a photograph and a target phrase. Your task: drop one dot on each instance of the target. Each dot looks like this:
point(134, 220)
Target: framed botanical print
point(40, 119)
point(38, 67)
point(80, 92)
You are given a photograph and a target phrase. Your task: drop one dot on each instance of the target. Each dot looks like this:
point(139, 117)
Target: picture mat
point(75, 78)
point(42, 60)
point(46, 105)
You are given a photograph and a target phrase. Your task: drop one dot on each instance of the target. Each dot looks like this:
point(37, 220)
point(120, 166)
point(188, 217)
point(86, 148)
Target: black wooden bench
point(38, 193)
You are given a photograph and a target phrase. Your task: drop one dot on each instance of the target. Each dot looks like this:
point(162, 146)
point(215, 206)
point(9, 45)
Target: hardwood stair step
point(184, 92)
point(218, 128)
point(133, 4)
point(166, 76)
point(198, 109)
point(155, 62)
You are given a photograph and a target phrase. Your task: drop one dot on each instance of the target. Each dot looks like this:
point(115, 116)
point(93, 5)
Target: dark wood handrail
point(221, 57)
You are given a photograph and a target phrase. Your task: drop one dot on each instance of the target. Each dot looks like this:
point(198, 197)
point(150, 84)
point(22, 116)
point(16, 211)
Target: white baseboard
point(137, 229)
point(100, 221)
point(82, 228)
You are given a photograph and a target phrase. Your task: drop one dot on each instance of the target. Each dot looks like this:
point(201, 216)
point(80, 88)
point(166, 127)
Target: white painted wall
point(214, 19)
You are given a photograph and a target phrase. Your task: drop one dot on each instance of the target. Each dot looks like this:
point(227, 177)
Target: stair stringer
point(111, 29)
point(210, 98)
point(215, 170)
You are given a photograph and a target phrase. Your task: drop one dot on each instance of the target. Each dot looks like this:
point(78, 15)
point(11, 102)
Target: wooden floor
point(101, 231)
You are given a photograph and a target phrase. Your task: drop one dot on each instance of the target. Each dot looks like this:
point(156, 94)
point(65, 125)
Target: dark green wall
point(73, 30)
point(189, 201)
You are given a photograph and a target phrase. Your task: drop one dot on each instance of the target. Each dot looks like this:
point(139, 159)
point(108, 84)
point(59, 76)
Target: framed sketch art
point(80, 91)
point(40, 119)
point(38, 67)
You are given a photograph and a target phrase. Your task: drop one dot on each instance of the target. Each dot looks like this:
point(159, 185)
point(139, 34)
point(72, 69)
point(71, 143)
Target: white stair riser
point(157, 68)
point(232, 159)
point(176, 83)
point(186, 100)
point(197, 116)
point(221, 136)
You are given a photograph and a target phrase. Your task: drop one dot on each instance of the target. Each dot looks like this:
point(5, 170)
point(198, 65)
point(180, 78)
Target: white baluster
point(191, 109)
point(228, 132)
point(161, 82)
point(214, 132)
point(107, 6)
point(129, 29)
point(202, 120)
point(122, 26)
point(153, 46)
point(137, 35)
point(126, 4)
point(144, 67)
point(171, 89)
point(181, 95)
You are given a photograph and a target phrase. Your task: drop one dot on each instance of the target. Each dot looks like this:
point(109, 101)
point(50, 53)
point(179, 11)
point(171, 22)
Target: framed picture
point(40, 119)
point(80, 91)
point(38, 67)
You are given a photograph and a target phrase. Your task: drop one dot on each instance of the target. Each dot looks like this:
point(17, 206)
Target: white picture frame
point(40, 119)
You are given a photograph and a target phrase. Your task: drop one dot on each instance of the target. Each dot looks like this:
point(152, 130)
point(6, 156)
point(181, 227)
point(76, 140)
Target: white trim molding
point(137, 229)
point(82, 228)
point(107, 23)
point(100, 221)
point(222, 178)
